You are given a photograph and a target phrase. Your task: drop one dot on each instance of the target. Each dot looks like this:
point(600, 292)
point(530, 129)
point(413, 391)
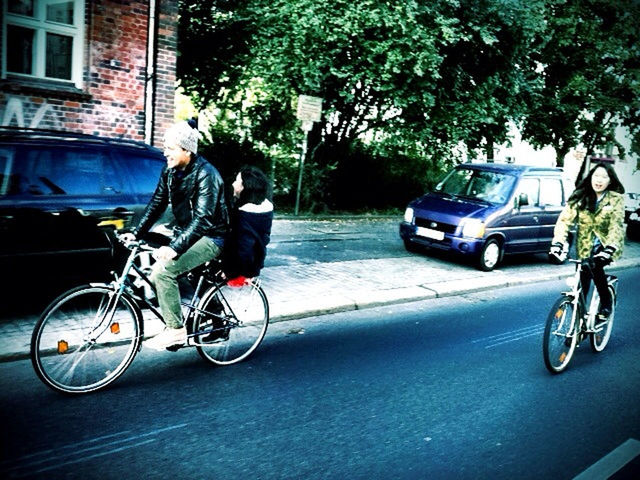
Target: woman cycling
point(597, 208)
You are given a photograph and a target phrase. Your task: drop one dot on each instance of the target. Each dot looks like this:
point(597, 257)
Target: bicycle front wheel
point(238, 316)
point(560, 336)
point(600, 338)
point(85, 339)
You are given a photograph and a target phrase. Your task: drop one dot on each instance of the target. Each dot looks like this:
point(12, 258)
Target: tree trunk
point(489, 149)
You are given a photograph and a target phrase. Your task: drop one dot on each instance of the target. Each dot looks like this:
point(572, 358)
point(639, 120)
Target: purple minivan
point(487, 210)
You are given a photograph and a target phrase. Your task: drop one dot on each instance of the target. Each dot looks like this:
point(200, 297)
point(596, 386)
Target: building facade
point(103, 67)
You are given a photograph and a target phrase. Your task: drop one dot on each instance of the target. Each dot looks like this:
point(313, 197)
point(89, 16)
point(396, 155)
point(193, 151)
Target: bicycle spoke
point(246, 315)
point(560, 335)
point(85, 340)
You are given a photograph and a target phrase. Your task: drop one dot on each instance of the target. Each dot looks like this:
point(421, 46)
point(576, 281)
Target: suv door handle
point(123, 212)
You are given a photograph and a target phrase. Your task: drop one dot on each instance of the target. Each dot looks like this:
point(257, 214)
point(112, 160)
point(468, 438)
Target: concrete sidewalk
point(307, 290)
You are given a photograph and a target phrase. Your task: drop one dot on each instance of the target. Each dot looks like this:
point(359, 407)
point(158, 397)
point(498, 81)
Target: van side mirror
point(522, 200)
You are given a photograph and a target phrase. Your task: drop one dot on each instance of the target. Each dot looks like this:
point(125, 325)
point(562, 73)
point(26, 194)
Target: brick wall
point(111, 101)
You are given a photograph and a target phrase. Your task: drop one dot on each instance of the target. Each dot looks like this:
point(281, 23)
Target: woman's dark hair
point(584, 196)
point(255, 186)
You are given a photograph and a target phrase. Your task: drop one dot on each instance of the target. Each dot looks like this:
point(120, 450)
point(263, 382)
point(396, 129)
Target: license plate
point(429, 233)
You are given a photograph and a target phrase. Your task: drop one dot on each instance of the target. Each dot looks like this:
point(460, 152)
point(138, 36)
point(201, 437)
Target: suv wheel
point(490, 255)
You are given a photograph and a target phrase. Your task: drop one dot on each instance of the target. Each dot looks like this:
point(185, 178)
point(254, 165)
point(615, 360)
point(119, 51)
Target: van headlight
point(472, 228)
point(408, 215)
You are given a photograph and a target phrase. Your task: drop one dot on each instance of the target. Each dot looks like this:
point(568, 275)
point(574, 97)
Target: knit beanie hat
point(183, 135)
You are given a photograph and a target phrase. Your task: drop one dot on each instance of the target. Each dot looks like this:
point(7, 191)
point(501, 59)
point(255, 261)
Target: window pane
point(530, 186)
point(81, 172)
point(551, 192)
point(22, 7)
point(6, 178)
point(57, 172)
point(143, 172)
point(60, 11)
point(32, 174)
point(58, 56)
point(20, 55)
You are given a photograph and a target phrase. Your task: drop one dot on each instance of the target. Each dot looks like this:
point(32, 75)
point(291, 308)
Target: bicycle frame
point(585, 323)
point(121, 283)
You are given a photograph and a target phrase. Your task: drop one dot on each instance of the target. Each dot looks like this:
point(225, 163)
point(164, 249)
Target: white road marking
point(512, 336)
point(612, 462)
point(58, 457)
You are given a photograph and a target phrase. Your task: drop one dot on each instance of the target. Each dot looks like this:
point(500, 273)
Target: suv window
point(57, 171)
point(551, 192)
point(143, 172)
point(5, 170)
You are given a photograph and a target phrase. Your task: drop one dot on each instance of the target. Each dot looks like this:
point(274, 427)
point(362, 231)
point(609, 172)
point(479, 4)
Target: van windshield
point(480, 185)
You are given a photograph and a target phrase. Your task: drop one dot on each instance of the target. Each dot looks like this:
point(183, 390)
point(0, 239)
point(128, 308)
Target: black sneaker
point(604, 313)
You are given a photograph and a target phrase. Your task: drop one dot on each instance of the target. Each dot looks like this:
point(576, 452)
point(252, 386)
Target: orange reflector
point(559, 313)
point(63, 346)
point(115, 328)
point(562, 356)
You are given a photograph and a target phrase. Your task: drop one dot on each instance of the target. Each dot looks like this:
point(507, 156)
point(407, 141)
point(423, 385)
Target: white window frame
point(42, 26)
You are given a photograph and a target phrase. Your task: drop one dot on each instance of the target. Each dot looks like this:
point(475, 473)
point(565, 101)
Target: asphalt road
point(446, 388)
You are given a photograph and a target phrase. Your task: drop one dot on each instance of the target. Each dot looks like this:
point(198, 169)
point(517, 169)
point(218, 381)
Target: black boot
point(606, 306)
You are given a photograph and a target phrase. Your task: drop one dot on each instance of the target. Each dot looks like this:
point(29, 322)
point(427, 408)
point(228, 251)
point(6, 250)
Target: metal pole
point(302, 157)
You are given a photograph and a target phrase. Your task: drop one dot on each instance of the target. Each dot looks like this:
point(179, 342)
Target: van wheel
point(490, 255)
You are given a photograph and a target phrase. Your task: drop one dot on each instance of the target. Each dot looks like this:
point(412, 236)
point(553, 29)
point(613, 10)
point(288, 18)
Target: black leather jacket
point(197, 201)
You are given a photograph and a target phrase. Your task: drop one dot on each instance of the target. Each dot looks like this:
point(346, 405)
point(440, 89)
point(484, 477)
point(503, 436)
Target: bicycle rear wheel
point(560, 337)
point(600, 339)
point(239, 315)
point(85, 339)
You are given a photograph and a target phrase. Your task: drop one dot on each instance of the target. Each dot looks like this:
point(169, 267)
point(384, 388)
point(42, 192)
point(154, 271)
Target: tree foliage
point(589, 72)
point(404, 84)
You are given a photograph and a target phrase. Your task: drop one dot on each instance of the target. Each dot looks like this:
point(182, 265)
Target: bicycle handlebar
point(131, 244)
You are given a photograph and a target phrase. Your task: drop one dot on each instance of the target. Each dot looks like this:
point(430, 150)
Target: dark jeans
point(599, 279)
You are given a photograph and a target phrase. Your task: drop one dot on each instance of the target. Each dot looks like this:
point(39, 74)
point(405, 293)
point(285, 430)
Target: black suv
point(61, 194)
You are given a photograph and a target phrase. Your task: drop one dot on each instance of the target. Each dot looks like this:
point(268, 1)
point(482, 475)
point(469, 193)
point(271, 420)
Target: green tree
point(588, 60)
point(406, 83)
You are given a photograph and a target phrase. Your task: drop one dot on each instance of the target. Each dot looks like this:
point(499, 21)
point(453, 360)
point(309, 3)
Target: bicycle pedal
point(175, 348)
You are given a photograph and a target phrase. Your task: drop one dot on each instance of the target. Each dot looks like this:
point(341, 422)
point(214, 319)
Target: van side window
point(550, 192)
point(530, 186)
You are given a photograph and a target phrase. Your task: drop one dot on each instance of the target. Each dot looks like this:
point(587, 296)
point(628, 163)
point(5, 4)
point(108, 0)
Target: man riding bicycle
point(196, 192)
point(597, 207)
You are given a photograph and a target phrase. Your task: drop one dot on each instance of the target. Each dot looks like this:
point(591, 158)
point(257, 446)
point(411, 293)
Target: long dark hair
point(256, 186)
point(584, 196)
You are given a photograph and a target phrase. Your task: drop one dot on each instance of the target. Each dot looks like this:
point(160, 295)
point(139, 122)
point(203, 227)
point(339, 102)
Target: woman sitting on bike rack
point(251, 219)
point(597, 208)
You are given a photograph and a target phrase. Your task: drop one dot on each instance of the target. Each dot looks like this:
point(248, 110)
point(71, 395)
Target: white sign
point(429, 233)
point(309, 108)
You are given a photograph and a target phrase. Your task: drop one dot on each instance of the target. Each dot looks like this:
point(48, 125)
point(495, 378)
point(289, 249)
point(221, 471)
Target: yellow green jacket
point(606, 224)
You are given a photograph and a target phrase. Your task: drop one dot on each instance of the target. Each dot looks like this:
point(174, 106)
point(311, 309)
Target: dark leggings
point(599, 279)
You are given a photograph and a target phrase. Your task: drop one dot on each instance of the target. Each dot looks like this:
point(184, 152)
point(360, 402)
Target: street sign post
point(309, 111)
point(309, 108)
